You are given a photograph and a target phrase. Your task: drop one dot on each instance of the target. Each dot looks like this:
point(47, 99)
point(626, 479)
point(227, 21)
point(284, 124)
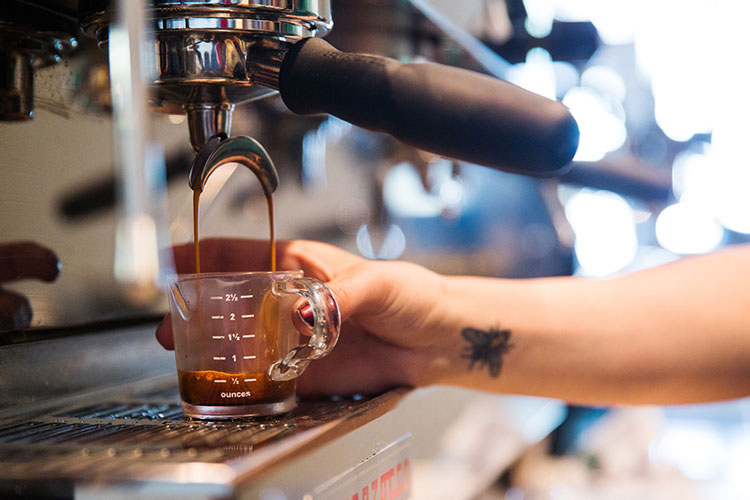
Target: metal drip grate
point(125, 437)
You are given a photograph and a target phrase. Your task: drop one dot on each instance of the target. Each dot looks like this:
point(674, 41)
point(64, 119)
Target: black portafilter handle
point(441, 109)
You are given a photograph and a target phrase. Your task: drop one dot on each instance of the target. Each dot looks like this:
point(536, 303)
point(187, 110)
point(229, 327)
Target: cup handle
point(326, 327)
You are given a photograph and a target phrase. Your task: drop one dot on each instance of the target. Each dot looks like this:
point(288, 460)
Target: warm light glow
point(176, 119)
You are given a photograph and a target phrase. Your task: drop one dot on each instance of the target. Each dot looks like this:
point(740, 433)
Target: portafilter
point(213, 54)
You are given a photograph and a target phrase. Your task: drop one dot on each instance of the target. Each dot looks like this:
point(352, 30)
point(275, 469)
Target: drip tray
point(133, 436)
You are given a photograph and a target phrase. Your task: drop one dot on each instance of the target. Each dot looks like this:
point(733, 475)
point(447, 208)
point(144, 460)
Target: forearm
point(675, 334)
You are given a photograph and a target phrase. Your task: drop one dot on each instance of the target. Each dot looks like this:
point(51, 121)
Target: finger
point(303, 319)
point(27, 259)
point(353, 281)
point(359, 364)
point(317, 260)
point(15, 311)
point(164, 333)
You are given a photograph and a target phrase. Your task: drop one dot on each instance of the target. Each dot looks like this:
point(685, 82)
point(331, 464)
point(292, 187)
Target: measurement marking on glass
point(248, 357)
point(246, 296)
point(218, 337)
point(248, 315)
point(217, 381)
point(217, 317)
point(248, 336)
point(250, 379)
point(216, 297)
point(219, 358)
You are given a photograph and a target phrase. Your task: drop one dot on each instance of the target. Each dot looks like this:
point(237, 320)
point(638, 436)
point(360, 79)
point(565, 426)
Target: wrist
point(486, 325)
point(456, 322)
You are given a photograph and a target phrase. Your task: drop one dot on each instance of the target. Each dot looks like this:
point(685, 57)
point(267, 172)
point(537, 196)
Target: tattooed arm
point(679, 333)
point(676, 334)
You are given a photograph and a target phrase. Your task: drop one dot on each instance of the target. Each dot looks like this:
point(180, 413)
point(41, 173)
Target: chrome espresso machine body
point(88, 403)
point(209, 56)
point(204, 57)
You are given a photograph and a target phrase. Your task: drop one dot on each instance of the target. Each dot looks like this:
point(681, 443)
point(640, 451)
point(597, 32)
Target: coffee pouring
point(220, 150)
point(235, 345)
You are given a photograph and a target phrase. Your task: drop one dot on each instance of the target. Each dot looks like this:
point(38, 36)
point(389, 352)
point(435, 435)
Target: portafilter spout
point(220, 150)
point(208, 120)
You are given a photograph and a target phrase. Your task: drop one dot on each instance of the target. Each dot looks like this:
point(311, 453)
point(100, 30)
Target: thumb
point(357, 291)
point(347, 299)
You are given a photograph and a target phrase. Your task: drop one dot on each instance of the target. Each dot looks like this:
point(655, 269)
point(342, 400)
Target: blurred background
point(659, 90)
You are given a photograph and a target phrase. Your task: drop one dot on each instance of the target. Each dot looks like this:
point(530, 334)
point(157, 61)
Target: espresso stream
point(200, 388)
point(196, 243)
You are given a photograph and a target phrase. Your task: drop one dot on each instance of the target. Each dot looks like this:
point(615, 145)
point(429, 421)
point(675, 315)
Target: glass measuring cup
point(236, 348)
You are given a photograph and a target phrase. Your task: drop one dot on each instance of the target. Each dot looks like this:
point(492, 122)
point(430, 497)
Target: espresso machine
point(91, 411)
point(207, 57)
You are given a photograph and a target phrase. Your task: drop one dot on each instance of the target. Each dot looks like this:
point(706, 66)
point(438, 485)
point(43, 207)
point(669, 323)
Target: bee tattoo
point(486, 348)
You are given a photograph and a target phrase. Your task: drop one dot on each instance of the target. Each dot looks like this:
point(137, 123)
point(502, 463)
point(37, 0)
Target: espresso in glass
point(233, 333)
point(238, 353)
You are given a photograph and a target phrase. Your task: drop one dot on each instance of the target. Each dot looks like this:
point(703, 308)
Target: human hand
point(567, 338)
point(22, 260)
point(390, 311)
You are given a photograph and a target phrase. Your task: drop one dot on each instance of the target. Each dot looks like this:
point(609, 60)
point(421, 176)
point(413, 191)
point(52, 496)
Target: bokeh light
point(537, 74)
point(540, 15)
point(697, 450)
point(405, 195)
point(604, 227)
point(686, 228)
point(602, 128)
point(604, 80)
